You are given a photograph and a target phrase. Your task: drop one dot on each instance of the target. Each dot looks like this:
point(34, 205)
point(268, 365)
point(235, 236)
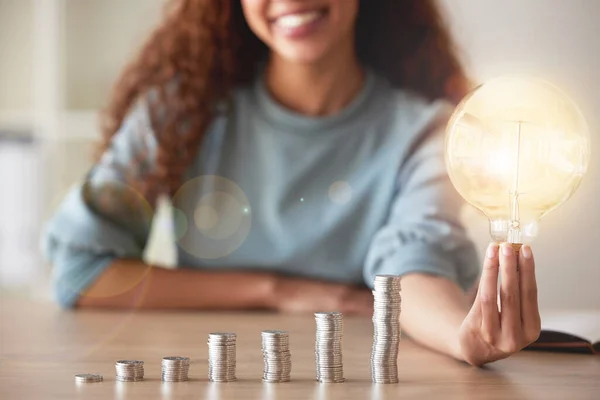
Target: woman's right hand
point(294, 295)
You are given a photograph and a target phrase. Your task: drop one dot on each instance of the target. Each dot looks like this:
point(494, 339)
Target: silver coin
point(224, 380)
point(216, 356)
point(176, 359)
point(218, 372)
point(276, 346)
point(174, 372)
point(274, 332)
point(128, 379)
point(222, 350)
point(329, 314)
point(222, 335)
point(266, 380)
point(88, 378)
point(130, 362)
point(221, 371)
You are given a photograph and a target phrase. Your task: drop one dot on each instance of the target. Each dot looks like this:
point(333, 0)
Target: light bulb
point(516, 149)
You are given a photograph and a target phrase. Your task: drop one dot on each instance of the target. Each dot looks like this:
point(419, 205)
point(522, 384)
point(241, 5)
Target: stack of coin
point(277, 357)
point(129, 370)
point(221, 357)
point(175, 369)
point(328, 347)
point(386, 329)
point(88, 378)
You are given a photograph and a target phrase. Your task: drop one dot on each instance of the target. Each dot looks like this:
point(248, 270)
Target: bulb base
point(516, 246)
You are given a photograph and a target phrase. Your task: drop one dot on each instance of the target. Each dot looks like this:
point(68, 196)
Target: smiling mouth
point(300, 19)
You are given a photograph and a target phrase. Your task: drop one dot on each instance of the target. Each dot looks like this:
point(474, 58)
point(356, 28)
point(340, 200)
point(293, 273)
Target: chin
point(303, 54)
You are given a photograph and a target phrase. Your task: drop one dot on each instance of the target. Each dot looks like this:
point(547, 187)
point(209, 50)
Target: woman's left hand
point(489, 334)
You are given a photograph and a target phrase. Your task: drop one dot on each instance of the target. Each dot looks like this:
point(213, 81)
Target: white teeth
point(297, 20)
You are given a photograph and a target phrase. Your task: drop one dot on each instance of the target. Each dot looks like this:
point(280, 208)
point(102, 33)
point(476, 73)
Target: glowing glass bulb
point(516, 149)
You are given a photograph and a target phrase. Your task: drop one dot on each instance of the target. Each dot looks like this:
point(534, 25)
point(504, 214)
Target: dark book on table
point(569, 332)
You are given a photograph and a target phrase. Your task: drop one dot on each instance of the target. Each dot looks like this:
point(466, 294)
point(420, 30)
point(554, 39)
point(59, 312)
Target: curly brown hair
point(207, 47)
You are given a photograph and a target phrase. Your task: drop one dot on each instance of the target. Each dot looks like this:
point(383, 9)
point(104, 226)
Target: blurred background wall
point(58, 59)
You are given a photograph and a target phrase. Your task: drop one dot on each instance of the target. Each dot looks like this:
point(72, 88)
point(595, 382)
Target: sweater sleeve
point(103, 218)
point(423, 232)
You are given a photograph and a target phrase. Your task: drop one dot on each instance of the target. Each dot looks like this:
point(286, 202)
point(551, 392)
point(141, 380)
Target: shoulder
point(410, 118)
point(411, 111)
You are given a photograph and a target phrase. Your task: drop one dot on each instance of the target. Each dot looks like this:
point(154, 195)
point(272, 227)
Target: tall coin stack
point(328, 347)
point(277, 357)
point(386, 329)
point(221, 357)
point(175, 369)
point(129, 370)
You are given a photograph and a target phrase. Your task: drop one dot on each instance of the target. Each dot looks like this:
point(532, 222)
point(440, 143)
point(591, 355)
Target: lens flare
point(221, 214)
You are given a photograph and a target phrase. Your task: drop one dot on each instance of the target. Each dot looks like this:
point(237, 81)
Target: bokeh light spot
point(340, 192)
point(221, 213)
point(205, 217)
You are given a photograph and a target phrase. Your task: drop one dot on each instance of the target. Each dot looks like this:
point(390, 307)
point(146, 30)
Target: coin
point(88, 378)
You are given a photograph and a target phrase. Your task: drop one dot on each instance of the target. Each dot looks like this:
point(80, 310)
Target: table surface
point(42, 348)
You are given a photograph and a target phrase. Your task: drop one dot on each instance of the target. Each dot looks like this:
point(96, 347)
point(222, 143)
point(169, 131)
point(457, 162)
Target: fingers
point(510, 299)
point(530, 315)
point(488, 294)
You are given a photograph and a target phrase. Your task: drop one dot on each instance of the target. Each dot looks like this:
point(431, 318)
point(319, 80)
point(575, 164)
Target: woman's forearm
point(131, 283)
point(433, 310)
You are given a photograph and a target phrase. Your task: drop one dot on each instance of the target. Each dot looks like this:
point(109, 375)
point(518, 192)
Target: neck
point(316, 89)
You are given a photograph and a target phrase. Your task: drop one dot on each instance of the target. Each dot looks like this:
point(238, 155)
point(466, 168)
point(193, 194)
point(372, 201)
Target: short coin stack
point(386, 329)
point(175, 369)
point(328, 347)
point(277, 357)
point(88, 378)
point(129, 370)
point(221, 357)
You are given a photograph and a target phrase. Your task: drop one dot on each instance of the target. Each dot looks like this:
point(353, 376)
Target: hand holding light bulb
point(516, 149)
point(488, 334)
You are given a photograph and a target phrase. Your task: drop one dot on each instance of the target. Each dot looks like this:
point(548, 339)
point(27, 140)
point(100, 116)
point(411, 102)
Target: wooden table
point(42, 348)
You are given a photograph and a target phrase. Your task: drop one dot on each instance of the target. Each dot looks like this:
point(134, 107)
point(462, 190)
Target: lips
point(299, 19)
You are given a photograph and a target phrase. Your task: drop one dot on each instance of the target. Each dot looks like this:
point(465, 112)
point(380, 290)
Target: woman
point(301, 145)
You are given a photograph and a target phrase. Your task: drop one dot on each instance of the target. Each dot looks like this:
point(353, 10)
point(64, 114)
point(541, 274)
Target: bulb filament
point(514, 231)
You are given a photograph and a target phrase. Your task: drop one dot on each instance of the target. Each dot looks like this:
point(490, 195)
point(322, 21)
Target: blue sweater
point(340, 198)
